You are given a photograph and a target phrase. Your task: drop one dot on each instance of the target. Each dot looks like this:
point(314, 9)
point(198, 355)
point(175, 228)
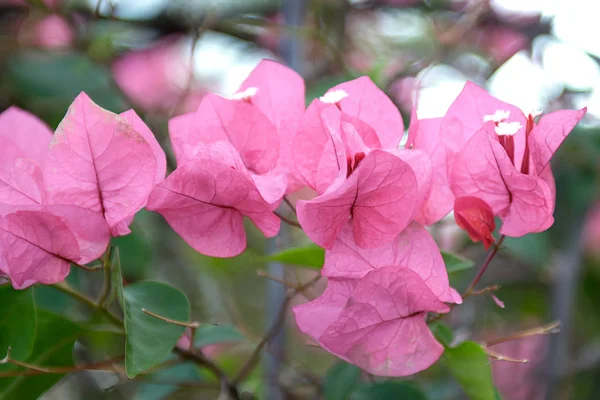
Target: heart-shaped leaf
point(150, 339)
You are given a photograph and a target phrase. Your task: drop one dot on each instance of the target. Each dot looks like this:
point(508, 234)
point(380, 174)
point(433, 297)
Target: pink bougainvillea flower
point(98, 161)
point(24, 142)
point(378, 198)
point(377, 322)
point(38, 243)
point(351, 159)
point(260, 121)
point(519, 190)
point(413, 248)
point(53, 32)
point(476, 218)
point(154, 78)
point(205, 199)
point(424, 135)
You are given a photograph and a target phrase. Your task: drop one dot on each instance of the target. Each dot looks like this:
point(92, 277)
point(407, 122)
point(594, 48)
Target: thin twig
point(484, 267)
point(541, 330)
point(501, 357)
point(93, 268)
point(107, 284)
point(171, 321)
point(287, 220)
point(68, 290)
point(275, 327)
point(32, 369)
point(485, 290)
point(201, 360)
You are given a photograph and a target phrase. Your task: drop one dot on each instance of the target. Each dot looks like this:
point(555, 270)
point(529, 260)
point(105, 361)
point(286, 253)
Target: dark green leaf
point(53, 347)
point(455, 263)
point(150, 339)
point(341, 380)
point(17, 321)
point(311, 256)
point(179, 373)
point(389, 391)
point(48, 82)
point(212, 334)
point(469, 364)
point(442, 333)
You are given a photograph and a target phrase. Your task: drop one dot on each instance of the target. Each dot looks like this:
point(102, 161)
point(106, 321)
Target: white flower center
point(507, 128)
point(498, 116)
point(245, 95)
point(333, 96)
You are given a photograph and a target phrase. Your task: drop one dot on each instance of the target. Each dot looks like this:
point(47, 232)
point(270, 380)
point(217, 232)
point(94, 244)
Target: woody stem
point(484, 267)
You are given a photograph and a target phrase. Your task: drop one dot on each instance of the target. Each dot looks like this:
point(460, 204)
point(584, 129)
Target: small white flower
point(333, 96)
point(245, 95)
point(498, 116)
point(507, 128)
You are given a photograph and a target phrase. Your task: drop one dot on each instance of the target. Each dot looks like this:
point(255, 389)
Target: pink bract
point(98, 161)
point(205, 200)
point(413, 248)
point(377, 323)
point(505, 164)
point(378, 199)
point(24, 141)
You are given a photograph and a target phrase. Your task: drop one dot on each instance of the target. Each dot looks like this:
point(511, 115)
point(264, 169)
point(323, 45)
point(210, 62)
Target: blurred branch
point(32, 369)
point(227, 387)
point(275, 327)
point(550, 328)
point(70, 291)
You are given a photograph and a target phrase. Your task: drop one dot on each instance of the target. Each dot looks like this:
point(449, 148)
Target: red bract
point(205, 200)
point(476, 217)
point(506, 163)
point(377, 322)
point(98, 161)
point(346, 150)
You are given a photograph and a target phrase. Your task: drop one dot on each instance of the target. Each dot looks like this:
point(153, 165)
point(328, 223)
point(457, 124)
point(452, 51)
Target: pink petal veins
point(368, 103)
point(98, 161)
point(413, 248)
point(547, 136)
point(36, 247)
point(205, 200)
point(382, 328)
point(379, 199)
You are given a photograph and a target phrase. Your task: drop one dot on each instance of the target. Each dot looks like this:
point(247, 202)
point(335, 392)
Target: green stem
point(70, 291)
point(106, 286)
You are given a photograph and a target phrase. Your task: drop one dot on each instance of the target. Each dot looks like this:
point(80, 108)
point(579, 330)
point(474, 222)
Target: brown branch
point(287, 220)
point(484, 267)
point(197, 357)
point(32, 369)
point(541, 330)
point(273, 330)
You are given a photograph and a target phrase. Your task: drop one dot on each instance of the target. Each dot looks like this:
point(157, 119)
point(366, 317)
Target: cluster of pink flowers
point(63, 196)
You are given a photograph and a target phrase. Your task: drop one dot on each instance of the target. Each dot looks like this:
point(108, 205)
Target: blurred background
point(161, 56)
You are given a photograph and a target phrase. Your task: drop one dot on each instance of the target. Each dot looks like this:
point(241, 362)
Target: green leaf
point(389, 391)
point(48, 95)
point(341, 380)
point(17, 321)
point(116, 277)
point(150, 339)
point(442, 333)
point(212, 334)
point(455, 263)
point(311, 256)
point(53, 347)
point(469, 364)
point(179, 373)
